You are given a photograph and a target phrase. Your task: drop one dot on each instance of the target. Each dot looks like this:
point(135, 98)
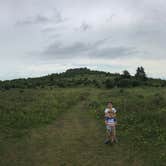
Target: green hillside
point(83, 77)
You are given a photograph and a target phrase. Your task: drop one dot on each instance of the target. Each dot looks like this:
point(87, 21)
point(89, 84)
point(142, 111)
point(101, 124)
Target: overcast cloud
point(41, 37)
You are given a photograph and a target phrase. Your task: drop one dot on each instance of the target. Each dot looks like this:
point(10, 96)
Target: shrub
point(109, 83)
point(125, 83)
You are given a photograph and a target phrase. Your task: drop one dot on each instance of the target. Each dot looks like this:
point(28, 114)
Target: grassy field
point(56, 126)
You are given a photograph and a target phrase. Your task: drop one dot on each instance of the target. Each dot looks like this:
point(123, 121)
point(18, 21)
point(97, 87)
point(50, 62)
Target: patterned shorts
point(110, 128)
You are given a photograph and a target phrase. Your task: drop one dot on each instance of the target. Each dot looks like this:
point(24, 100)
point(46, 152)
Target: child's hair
point(110, 102)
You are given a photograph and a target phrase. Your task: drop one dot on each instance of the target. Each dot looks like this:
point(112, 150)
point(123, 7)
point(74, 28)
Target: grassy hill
point(83, 77)
point(64, 126)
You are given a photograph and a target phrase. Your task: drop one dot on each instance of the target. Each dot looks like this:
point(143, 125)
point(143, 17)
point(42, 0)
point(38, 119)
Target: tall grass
point(141, 120)
point(141, 115)
point(21, 110)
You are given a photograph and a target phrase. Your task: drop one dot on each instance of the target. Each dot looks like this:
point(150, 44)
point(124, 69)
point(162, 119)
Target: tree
point(140, 74)
point(126, 74)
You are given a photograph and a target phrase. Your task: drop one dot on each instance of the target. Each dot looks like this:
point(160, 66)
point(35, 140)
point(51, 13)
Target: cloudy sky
point(38, 37)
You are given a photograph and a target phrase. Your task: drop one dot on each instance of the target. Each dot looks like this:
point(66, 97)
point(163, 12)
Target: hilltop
point(81, 77)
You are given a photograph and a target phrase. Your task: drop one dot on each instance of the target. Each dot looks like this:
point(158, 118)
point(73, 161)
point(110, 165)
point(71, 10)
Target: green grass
point(65, 127)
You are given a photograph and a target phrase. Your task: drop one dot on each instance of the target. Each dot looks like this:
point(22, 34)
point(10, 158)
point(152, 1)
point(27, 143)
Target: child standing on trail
point(110, 122)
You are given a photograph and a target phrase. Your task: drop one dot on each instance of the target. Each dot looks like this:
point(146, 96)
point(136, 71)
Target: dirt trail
point(74, 139)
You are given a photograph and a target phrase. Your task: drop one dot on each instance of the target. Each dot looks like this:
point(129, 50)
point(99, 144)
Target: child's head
point(109, 104)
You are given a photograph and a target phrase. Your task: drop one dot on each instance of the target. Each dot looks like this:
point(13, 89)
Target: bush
point(109, 83)
point(125, 83)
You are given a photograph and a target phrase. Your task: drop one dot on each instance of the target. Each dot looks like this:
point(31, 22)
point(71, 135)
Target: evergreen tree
point(140, 73)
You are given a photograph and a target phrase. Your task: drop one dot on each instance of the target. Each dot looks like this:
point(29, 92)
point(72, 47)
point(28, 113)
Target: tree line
point(81, 77)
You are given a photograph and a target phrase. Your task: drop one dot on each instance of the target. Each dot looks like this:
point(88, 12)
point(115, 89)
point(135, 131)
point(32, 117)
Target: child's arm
point(115, 121)
point(106, 122)
point(114, 114)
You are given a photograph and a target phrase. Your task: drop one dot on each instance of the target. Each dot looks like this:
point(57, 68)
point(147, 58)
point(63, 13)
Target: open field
point(65, 127)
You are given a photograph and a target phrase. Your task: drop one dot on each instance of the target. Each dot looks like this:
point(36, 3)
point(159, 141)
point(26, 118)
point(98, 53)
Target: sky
point(40, 37)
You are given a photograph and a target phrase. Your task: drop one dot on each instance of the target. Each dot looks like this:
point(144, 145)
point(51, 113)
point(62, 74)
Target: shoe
point(107, 141)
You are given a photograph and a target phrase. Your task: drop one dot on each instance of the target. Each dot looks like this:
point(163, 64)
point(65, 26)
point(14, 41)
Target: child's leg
point(114, 133)
point(111, 136)
point(107, 137)
point(108, 134)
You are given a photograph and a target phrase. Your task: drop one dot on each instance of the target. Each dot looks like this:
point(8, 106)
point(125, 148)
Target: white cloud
point(101, 34)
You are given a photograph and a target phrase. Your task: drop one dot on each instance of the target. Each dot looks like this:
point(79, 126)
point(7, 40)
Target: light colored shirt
point(107, 110)
point(110, 120)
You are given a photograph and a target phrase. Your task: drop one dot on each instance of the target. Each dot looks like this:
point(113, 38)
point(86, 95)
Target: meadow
point(64, 126)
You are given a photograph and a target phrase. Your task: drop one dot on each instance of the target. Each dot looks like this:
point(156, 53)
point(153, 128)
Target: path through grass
point(74, 139)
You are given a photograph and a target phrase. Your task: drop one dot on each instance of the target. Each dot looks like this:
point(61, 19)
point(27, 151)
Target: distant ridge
point(77, 77)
